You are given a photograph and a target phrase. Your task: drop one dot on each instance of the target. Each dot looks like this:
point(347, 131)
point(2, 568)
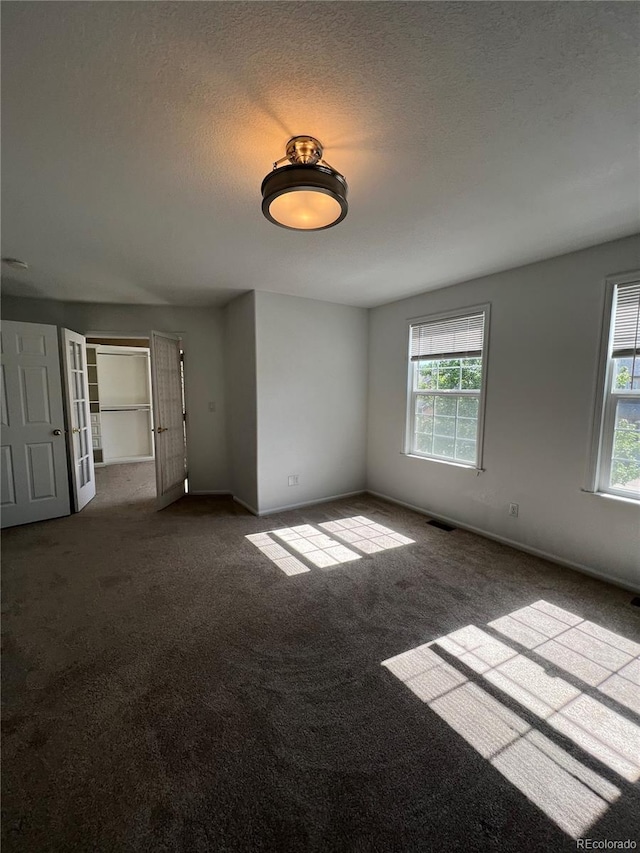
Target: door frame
point(146, 336)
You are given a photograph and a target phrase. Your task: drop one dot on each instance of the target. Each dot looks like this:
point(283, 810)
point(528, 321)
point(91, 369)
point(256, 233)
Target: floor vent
point(636, 601)
point(441, 525)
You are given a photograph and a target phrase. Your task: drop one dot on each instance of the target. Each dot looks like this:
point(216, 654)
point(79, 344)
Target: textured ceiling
point(475, 137)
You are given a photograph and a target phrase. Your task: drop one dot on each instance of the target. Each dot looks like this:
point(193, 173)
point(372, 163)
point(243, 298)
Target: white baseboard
point(311, 503)
point(519, 546)
point(251, 509)
point(124, 460)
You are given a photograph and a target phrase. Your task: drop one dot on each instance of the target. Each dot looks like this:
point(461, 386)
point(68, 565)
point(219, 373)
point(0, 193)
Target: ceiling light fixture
point(306, 195)
point(15, 263)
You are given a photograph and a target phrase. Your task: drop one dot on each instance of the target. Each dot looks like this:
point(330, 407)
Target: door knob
point(57, 432)
point(75, 429)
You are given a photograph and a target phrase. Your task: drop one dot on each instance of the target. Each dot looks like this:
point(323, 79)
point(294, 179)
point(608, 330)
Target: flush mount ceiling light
point(306, 195)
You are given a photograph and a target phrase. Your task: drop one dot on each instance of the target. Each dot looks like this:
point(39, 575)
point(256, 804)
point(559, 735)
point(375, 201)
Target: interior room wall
point(240, 347)
point(541, 383)
point(202, 330)
point(312, 393)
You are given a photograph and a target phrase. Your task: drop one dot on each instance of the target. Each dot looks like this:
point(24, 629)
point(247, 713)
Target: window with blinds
point(457, 337)
point(619, 449)
point(446, 362)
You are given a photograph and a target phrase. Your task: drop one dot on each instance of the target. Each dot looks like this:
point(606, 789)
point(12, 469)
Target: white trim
point(125, 460)
point(602, 425)
point(519, 546)
point(484, 308)
point(309, 503)
point(613, 496)
point(467, 466)
point(452, 312)
point(132, 336)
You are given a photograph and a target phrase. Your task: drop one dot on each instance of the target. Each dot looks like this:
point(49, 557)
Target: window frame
point(410, 368)
point(606, 399)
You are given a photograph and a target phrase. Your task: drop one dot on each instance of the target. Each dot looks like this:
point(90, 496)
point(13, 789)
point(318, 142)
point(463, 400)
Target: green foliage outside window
point(626, 453)
point(453, 374)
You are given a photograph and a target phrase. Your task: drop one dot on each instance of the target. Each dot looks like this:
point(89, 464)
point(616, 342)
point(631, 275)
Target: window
point(619, 450)
point(446, 375)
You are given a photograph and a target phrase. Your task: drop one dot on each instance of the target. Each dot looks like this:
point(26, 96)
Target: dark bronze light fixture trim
point(322, 202)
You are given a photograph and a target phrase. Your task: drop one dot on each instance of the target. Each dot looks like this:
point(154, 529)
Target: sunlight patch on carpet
point(304, 542)
point(571, 794)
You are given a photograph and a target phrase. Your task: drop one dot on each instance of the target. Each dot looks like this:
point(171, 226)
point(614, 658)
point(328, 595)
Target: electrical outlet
point(294, 479)
point(513, 510)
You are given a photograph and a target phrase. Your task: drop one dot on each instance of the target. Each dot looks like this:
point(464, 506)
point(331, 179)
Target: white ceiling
point(474, 136)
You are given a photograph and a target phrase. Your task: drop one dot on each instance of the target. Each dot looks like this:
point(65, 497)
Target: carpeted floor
point(167, 687)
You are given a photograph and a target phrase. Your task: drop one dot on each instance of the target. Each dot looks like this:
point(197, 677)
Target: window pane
point(424, 405)
point(622, 373)
point(426, 376)
point(448, 374)
point(443, 447)
point(445, 405)
point(465, 451)
point(467, 428)
point(625, 462)
point(471, 374)
point(444, 426)
point(468, 407)
point(424, 423)
point(423, 443)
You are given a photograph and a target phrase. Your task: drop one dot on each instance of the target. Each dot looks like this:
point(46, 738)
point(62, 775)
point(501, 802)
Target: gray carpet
point(168, 688)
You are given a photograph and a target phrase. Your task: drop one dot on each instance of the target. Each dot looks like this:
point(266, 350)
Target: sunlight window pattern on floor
point(293, 545)
point(277, 554)
point(365, 535)
point(571, 794)
point(315, 546)
point(593, 654)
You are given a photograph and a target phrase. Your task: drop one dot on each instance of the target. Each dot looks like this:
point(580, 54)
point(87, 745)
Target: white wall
point(543, 350)
point(202, 331)
point(240, 348)
point(312, 397)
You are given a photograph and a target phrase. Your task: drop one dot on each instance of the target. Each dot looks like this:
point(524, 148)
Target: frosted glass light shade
point(304, 198)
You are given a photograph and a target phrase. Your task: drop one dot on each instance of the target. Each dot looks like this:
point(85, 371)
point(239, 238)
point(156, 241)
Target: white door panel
point(168, 413)
point(79, 438)
point(33, 457)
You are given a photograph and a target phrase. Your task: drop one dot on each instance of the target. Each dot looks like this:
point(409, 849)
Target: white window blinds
point(626, 324)
point(451, 337)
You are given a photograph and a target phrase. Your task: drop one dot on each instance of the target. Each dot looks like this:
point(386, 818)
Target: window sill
point(443, 462)
point(609, 497)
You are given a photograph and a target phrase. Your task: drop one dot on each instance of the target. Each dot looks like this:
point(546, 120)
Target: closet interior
point(120, 402)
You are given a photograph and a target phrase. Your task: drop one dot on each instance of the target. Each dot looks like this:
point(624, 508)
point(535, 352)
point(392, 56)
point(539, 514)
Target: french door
point(168, 415)
point(33, 470)
point(79, 437)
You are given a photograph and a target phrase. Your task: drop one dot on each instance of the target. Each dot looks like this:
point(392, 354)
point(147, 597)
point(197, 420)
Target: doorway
point(138, 419)
point(61, 410)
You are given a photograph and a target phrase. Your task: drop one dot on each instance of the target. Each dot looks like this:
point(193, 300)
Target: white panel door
point(168, 416)
point(79, 438)
point(34, 477)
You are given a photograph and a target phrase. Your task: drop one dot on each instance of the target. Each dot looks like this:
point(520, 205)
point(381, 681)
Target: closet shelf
point(131, 407)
